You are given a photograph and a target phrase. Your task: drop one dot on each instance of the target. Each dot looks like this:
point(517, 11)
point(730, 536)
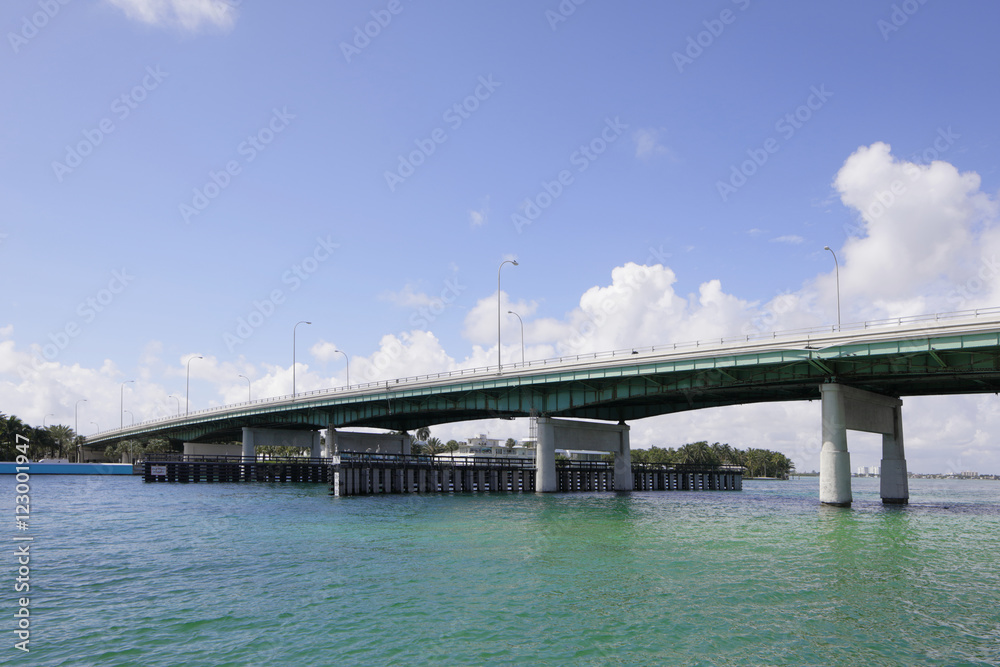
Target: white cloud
point(791, 239)
point(647, 143)
point(325, 351)
point(189, 15)
point(408, 297)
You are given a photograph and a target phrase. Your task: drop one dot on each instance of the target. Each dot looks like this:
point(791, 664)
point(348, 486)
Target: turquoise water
point(126, 573)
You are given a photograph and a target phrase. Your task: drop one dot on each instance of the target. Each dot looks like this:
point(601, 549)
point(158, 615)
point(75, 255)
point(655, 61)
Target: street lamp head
point(514, 262)
point(826, 247)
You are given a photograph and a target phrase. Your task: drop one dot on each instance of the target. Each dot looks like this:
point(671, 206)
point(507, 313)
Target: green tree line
point(756, 462)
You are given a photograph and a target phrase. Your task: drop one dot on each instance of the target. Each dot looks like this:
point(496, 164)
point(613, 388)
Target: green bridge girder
point(623, 388)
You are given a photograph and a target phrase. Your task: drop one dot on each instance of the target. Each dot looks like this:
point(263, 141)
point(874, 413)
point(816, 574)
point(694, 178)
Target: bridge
point(860, 372)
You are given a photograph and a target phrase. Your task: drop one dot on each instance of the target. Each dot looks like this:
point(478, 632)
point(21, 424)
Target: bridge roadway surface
point(953, 353)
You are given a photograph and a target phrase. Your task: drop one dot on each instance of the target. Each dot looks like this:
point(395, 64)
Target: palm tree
point(423, 433)
point(433, 446)
point(452, 446)
point(63, 437)
point(511, 443)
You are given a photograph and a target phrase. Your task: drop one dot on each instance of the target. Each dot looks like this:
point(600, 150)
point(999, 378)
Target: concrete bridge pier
point(895, 484)
point(569, 434)
point(847, 408)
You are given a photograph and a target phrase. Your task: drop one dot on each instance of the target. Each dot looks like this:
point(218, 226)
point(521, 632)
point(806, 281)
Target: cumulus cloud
point(188, 15)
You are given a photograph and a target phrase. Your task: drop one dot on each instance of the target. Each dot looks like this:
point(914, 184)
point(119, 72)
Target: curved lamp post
point(511, 312)
point(348, 362)
point(121, 405)
point(836, 265)
point(293, 353)
point(499, 363)
point(178, 404)
point(187, 385)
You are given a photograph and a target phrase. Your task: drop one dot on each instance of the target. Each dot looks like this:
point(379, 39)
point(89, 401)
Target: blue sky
point(218, 154)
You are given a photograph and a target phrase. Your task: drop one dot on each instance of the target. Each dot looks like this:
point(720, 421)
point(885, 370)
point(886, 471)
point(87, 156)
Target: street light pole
point(836, 265)
point(249, 399)
point(348, 362)
point(511, 312)
point(293, 353)
point(121, 405)
point(51, 414)
point(178, 404)
point(131, 416)
point(187, 385)
point(499, 362)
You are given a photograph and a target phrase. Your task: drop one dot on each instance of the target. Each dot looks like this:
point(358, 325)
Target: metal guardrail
point(492, 371)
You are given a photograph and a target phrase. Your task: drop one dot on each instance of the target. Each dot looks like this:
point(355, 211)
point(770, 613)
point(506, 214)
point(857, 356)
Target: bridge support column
point(834, 459)
point(624, 480)
point(545, 457)
point(895, 485)
point(846, 408)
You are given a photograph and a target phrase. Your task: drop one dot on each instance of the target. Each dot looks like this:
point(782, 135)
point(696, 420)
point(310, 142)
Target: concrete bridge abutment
point(847, 408)
point(570, 434)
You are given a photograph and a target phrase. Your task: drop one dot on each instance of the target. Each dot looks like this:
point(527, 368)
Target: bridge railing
point(492, 371)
